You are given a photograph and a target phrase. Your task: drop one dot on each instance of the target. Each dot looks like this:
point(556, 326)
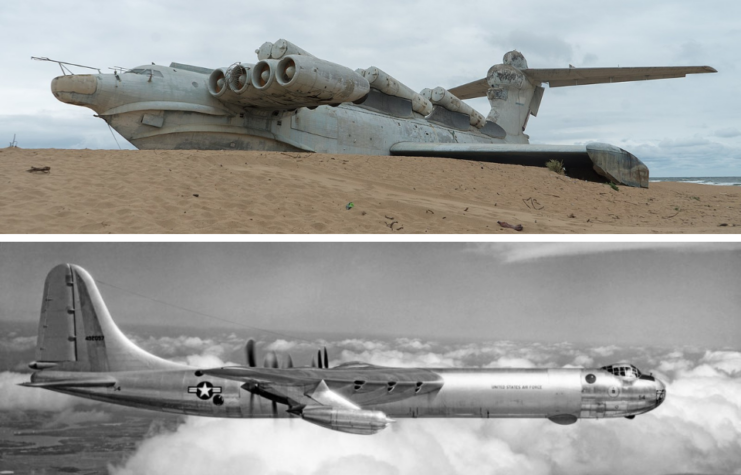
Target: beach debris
point(388, 217)
point(465, 209)
point(39, 170)
point(429, 211)
point(533, 203)
point(723, 224)
point(572, 215)
point(363, 213)
point(195, 194)
point(614, 186)
point(350, 205)
point(507, 225)
point(391, 225)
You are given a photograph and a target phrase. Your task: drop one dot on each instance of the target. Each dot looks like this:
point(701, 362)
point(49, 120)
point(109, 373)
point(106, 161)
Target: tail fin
point(76, 332)
point(514, 90)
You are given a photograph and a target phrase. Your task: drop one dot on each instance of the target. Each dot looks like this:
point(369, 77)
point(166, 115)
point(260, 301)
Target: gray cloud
point(508, 253)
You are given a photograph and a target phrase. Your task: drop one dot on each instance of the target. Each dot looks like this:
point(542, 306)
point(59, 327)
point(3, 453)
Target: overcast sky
point(678, 127)
point(602, 293)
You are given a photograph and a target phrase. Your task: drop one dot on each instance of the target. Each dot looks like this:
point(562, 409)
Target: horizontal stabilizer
point(73, 383)
point(561, 77)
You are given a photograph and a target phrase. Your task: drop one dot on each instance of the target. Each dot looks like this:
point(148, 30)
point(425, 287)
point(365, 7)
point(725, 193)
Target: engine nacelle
point(218, 85)
point(239, 77)
point(319, 81)
point(352, 421)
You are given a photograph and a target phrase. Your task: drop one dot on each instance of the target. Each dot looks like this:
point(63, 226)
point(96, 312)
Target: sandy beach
point(106, 191)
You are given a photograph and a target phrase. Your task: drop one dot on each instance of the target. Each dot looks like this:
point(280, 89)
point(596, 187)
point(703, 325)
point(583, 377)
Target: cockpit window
point(147, 72)
point(623, 370)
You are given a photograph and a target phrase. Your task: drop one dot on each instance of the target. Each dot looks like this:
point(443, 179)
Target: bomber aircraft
point(80, 351)
point(290, 100)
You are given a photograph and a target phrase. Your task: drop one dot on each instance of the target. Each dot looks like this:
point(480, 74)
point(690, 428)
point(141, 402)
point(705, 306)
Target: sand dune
point(105, 191)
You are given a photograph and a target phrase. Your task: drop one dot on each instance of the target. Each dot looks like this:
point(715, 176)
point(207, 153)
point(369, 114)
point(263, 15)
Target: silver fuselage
point(173, 109)
point(481, 393)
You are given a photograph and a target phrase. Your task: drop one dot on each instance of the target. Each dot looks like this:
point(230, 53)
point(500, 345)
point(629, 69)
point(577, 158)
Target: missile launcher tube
point(442, 97)
point(387, 84)
point(283, 48)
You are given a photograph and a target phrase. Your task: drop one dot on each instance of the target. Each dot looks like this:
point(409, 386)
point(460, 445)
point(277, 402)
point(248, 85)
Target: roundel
point(613, 391)
point(591, 378)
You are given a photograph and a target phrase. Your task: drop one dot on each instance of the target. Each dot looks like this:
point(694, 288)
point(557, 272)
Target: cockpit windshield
point(623, 370)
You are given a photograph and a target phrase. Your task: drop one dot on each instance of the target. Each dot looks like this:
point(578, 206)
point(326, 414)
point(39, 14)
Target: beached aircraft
point(290, 100)
point(80, 351)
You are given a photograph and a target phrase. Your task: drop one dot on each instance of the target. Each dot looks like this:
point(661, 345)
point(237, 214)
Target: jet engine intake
point(239, 77)
point(352, 421)
point(319, 81)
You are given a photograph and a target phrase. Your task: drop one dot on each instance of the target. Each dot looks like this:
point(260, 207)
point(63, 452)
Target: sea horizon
point(701, 180)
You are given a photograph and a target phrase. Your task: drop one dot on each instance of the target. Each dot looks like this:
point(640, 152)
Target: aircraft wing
point(581, 161)
point(561, 77)
point(359, 385)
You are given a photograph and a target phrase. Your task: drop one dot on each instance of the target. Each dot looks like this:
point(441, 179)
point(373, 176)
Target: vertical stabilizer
point(76, 332)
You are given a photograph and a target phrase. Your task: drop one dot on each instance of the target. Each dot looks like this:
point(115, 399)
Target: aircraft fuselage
point(564, 394)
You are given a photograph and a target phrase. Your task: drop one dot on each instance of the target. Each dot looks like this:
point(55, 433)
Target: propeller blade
point(271, 360)
point(313, 363)
point(319, 358)
point(249, 350)
point(275, 409)
point(326, 359)
point(287, 361)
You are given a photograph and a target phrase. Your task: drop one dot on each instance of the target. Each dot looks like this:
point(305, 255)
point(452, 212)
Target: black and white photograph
point(280, 357)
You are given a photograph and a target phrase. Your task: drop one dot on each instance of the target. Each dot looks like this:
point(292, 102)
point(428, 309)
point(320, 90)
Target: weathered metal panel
point(617, 165)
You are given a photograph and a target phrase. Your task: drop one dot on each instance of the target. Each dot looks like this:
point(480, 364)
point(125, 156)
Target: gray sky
point(679, 127)
point(602, 293)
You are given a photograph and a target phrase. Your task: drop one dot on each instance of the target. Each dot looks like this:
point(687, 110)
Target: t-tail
point(515, 91)
point(77, 333)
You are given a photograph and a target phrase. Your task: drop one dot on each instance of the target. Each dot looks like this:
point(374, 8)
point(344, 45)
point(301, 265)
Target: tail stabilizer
point(77, 333)
point(515, 91)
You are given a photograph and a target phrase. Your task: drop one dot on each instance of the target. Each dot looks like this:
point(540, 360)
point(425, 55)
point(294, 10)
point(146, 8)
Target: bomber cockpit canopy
point(623, 370)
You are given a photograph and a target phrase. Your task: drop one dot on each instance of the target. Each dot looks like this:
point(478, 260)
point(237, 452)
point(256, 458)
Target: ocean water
point(703, 180)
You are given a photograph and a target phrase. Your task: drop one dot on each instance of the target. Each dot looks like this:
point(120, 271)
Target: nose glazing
point(660, 393)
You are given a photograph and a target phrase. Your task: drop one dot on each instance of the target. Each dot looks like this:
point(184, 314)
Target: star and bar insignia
point(204, 390)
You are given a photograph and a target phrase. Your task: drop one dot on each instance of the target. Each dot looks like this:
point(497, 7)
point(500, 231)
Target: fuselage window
point(146, 72)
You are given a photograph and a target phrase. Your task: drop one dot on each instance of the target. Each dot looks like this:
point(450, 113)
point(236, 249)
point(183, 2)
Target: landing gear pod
point(320, 80)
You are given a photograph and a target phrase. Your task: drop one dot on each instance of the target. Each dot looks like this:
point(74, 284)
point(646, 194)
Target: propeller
point(249, 349)
point(287, 361)
point(271, 360)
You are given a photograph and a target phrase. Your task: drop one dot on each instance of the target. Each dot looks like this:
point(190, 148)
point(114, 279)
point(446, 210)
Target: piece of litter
point(507, 225)
point(39, 170)
point(350, 205)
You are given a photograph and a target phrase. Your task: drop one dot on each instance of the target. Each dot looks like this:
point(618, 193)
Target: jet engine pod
point(239, 78)
point(217, 84)
point(263, 74)
point(319, 80)
point(353, 421)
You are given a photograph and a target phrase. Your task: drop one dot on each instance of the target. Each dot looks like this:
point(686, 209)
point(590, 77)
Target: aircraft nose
point(660, 392)
point(74, 89)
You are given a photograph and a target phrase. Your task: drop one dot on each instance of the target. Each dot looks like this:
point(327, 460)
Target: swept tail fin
point(76, 332)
